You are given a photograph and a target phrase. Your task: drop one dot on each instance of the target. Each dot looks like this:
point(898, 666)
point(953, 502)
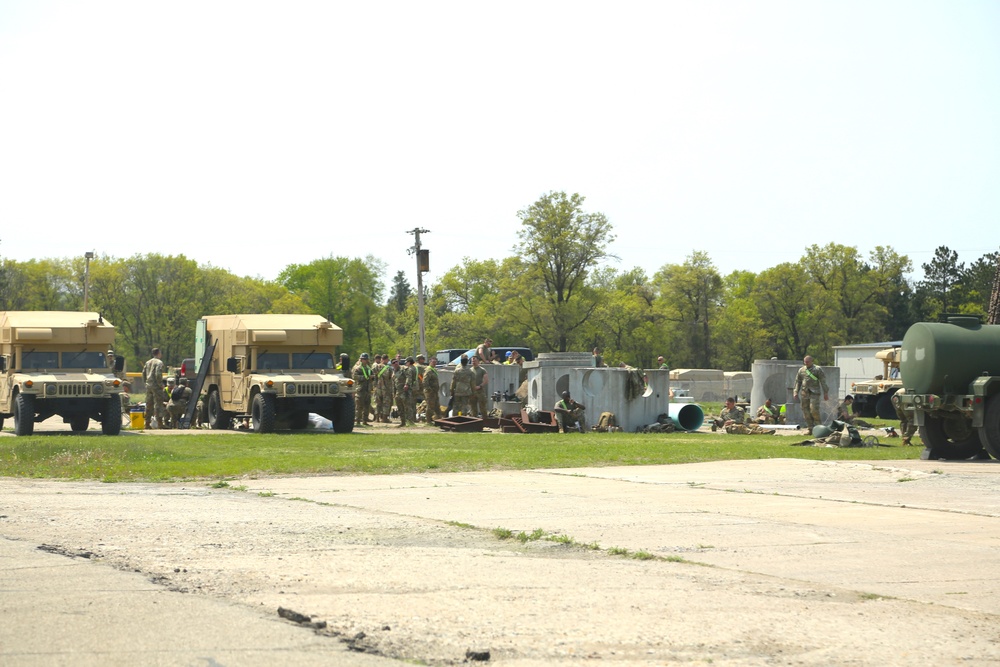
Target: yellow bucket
point(138, 419)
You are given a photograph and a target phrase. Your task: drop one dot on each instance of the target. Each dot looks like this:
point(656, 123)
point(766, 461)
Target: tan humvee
point(873, 398)
point(276, 370)
point(56, 363)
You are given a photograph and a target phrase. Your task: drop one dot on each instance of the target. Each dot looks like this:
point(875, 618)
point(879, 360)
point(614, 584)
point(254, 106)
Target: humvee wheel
point(343, 415)
point(1, 422)
point(111, 416)
point(949, 439)
point(884, 408)
point(24, 414)
point(79, 423)
point(262, 413)
point(989, 434)
point(218, 418)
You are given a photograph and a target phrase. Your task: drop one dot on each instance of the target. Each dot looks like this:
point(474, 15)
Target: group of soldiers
point(385, 382)
point(733, 419)
point(395, 381)
point(166, 400)
point(810, 384)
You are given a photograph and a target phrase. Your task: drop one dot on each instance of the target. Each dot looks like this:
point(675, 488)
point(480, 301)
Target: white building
point(858, 363)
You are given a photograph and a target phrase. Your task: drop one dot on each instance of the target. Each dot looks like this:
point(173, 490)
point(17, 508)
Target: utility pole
point(423, 264)
point(89, 255)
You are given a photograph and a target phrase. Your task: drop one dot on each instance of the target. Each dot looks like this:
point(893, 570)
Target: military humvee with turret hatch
point(274, 369)
point(56, 363)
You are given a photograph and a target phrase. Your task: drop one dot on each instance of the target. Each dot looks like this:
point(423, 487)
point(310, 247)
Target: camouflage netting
point(635, 385)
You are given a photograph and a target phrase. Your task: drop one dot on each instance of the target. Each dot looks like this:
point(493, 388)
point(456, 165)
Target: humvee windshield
point(39, 359)
point(35, 360)
point(312, 360)
point(83, 360)
point(274, 361)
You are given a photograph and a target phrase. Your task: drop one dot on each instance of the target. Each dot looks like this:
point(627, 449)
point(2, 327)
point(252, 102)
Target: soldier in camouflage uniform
point(846, 414)
point(383, 390)
point(809, 382)
point(411, 400)
point(178, 406)
point(569, 414)
point(404, 380)
point(156, 400)
point(769, 414)
point(477, 403)
point(906, 427)
point(733, 420)
point(432, 385)
point(376, 367)
point(362, 374)
point(461, 386)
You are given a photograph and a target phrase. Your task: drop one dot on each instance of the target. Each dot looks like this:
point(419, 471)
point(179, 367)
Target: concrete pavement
point(743, 562)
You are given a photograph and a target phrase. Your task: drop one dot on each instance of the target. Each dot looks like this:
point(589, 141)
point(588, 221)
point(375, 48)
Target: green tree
point(345, 291)
point(560, 244)
point(688, 298)
point(790, 309)
point(400, 292)
point(978, 283)
point(941, 289)
point(856, 290)
point(740, 336)
point(624, 323)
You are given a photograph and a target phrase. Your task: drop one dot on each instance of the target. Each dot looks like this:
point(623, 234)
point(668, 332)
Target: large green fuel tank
point(944, 358)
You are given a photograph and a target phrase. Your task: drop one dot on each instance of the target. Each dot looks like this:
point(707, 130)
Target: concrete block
point(600, 390)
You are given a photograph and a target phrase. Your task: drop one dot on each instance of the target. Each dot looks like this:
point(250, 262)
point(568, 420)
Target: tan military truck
point(274, 369)
point(873, 398)
point(56, 363)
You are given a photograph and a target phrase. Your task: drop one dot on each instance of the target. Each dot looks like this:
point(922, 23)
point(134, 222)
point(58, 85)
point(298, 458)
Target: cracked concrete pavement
point(733, 563)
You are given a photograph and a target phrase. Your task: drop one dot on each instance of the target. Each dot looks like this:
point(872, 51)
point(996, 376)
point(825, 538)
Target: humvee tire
point(218, 418)
point(24, 414)
point(262, 413)
point(342, 415)
point(79, 423)
point(884, 408)
point(111, 416)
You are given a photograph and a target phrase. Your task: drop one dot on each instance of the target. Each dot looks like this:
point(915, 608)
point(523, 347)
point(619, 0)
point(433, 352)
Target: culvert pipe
point(686, 416)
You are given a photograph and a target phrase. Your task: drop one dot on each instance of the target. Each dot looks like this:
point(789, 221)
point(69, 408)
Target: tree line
point(555, 292)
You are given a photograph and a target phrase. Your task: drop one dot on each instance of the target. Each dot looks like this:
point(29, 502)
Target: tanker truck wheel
point(989, 434)
point(949, 439)
point(262, 413)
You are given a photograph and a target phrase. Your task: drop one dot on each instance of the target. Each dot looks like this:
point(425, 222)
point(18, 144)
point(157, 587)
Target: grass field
point(210, 455)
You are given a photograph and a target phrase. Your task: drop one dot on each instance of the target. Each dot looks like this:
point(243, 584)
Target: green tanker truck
point(951, 374)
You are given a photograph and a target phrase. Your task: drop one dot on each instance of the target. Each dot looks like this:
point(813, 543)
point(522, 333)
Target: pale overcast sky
point(251, 135)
